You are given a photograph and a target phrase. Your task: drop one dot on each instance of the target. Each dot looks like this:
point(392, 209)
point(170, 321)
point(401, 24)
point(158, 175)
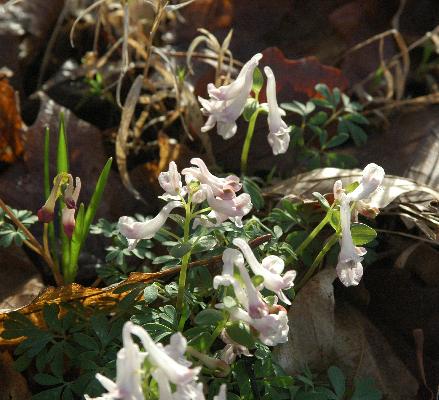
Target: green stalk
point(314, 233)
point(185, 260)
point(248, 140)
point(328, 245)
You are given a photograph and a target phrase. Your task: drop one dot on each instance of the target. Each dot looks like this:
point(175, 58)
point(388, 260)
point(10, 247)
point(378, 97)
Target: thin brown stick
point(34, 242)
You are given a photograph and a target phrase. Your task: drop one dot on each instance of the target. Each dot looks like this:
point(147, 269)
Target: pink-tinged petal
point(68, 221)
point(46, 213)
point(133, 229)
point(279, 133)
point(170, 181)
point(373, 176)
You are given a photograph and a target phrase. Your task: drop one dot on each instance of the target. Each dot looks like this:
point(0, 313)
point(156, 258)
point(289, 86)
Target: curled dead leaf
point(106, 298)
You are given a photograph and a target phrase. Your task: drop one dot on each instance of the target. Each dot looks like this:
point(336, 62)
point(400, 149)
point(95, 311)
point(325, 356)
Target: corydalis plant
point(227, 103)
point(167, 365)
point(201, 185)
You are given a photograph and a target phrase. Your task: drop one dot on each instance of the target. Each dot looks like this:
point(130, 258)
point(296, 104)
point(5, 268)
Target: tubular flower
point(71, 195)
point(128, 385)
point(270, 269)
point(272, 328)
point(225, 188)
point(234, 209)
point(246, 293)
point(372, 178)
point(232, 349)
point(172, 369)
point(349, 268)
point(135, 231)
point(226, 103)
point(170, 181)
point(46, 213)
point(279, 133)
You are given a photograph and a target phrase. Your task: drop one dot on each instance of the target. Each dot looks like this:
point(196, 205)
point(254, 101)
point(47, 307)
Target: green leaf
point(251, 187)
point(179, 250)
point(358, 135)
point(365, 390)
point(240, 333)
point(50, 313)
point(338, 381)
point(295, 107)
point(96, 198)
point(150, 294)
point(323, 90)
point(49, 394)
point(357, 118)
point(321, 200)
point(229, 302)
point(46, 379)
point(362, 234)
point(62, 158)
point(337, 140)
point(318, 119)
point(75, 247)
point(258, 81)
point(210, 317)
point(85, 341)
point(205, 243)
point(47, 163)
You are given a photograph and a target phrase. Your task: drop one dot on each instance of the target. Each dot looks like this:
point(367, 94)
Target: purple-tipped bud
point(68, 221)
point(45, 214)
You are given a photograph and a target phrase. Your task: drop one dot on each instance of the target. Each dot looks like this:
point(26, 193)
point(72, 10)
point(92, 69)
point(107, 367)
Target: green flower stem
point(248, 140)
point(328, 245)
point(314, 233)
point(185, 260)
point(216, 333)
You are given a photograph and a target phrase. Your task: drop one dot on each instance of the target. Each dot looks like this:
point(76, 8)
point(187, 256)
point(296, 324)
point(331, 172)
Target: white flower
point(128, 385)
point(270, 269)
point(279, 135)
point(272, 328)
point(234, 209)
point(170, 181)
point(349, 268)
point(135, 231)
point(338, 189)
point(225, 188)
point(232, 349)
point(71, 195)
point(227, 103)
point(176, 372)
point(245, 291)
point(372, 178)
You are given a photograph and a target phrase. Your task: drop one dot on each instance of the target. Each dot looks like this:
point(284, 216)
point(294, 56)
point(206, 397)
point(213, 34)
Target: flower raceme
point(271, 324)
point(70, 197)
point(270, 269)
point(349, 267)
point(279, 132)
point(226, 103)
point(169, 367)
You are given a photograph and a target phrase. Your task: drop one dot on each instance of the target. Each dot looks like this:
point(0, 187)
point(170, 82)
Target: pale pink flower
point(270, 269)
point(225, 188)
point(373, 176)
point(170, 181)
point(135, 231)
point(349, 267)
point(71, 196)
point(227, 103)
point(279, 132)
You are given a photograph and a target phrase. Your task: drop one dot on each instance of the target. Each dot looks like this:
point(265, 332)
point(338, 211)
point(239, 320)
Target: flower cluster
point(201, 185)
point(169, 367)
point(227, 103)
point(349, 267)
point(268, 320)
point(62, 186)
